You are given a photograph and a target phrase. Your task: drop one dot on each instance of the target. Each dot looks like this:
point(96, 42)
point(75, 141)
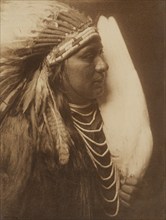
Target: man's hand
point(127, 189)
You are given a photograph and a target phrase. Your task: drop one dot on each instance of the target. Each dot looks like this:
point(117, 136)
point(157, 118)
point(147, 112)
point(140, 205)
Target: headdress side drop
point(50, 32)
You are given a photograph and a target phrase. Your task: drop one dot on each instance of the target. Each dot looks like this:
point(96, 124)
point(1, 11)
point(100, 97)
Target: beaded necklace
point(88, 122)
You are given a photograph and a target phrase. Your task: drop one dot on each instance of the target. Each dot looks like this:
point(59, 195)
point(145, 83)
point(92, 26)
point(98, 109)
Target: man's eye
point(89, 56)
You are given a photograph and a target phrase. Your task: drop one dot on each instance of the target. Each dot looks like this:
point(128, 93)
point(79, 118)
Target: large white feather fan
point(123, 106)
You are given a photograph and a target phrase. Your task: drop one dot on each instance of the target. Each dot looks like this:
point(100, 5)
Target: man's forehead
point(93, 44)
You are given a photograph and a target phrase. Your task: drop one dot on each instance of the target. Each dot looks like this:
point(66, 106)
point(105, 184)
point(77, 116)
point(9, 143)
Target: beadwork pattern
point(99, 154)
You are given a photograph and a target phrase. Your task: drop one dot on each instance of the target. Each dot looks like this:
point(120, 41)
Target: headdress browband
point(63, 51)
point(76, 30)
point(64, 34)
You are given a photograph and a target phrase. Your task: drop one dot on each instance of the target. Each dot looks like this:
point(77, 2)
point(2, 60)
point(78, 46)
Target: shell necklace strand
point(88, 122)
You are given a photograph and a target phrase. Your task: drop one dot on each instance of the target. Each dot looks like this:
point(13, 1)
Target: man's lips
point(101, 80)
point(99, 83)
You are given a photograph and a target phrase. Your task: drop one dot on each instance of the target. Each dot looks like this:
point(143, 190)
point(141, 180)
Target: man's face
point(84, 74)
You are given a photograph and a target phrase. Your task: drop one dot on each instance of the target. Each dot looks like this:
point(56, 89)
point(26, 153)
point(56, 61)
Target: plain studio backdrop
point(142, 26)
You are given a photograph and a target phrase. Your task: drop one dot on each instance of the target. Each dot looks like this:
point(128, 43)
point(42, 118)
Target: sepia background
point(142, 25)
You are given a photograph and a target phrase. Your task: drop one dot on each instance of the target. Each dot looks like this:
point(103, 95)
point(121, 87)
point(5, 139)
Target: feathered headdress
point(36, 35)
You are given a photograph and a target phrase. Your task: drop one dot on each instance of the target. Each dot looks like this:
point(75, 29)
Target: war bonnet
point(45, 32)
point(35, 27)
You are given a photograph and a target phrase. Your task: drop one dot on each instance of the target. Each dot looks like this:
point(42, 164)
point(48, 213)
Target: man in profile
point(56, 162)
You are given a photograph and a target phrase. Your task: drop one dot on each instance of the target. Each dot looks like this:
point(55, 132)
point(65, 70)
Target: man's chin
point(99, 92)
point(95, 94)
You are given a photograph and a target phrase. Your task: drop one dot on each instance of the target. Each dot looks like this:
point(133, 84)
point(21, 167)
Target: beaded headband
point(66, 49)
point(76, 29)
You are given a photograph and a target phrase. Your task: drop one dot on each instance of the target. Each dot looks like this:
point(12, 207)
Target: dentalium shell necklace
point(88, 122)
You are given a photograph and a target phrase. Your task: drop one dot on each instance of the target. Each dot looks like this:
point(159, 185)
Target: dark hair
point(81, 162)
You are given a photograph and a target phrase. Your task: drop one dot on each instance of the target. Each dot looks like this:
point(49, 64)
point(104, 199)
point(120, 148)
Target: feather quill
point(6, 103)
point(41, 92)
point(58, 130)
point(30, 91)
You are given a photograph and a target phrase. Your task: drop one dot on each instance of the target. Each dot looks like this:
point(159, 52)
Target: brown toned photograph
point(82, 110)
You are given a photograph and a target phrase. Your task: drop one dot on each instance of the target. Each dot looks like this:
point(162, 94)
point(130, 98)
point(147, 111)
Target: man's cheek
point(85, 65)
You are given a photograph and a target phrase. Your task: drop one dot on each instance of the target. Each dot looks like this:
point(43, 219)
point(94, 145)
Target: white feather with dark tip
point(123, 108)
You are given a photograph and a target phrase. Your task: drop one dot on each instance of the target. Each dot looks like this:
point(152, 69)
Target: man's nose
point(100, 64)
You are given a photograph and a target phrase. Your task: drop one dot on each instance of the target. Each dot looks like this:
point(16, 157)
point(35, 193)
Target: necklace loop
point(86, 123)
point(79, 106)
point(96, 153)
point(91, 140)
point(110, 200)
point(89, 130)
point(109, 177)
point(82, 114)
